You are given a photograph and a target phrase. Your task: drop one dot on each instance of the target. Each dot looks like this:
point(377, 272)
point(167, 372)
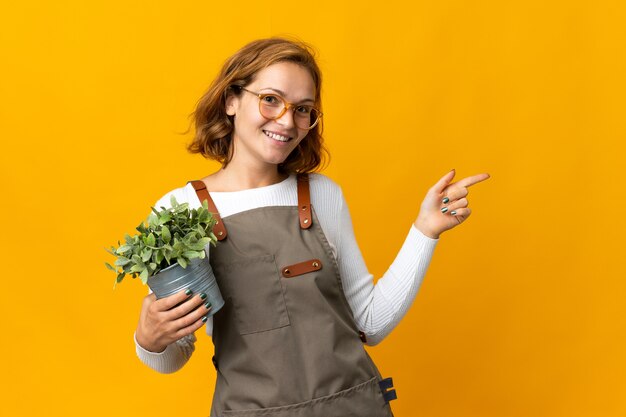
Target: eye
point(271, 100)
point(303, 110)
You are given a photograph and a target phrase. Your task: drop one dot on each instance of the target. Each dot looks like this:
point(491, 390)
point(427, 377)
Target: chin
point(278, 157)
point(276, 161)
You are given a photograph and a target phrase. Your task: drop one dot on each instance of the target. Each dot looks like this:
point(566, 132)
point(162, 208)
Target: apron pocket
point(254, 288)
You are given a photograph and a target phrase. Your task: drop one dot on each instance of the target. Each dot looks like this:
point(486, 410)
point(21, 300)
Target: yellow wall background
point(522, 312)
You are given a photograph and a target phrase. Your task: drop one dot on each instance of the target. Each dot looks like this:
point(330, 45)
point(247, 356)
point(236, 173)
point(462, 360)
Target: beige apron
point(285, 341)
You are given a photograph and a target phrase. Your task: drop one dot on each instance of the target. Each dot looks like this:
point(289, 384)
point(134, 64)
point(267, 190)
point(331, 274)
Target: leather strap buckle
point(385, 387)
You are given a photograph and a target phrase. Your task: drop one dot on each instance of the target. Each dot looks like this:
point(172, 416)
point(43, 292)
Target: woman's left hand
point(445, 205)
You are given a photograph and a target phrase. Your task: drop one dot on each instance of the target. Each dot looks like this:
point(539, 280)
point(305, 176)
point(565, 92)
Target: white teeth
point(275, 136)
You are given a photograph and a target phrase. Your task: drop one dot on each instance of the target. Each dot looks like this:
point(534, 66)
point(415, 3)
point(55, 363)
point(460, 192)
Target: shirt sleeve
point(174, 357)
point(378, 308)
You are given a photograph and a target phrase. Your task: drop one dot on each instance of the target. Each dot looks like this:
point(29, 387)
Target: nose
point(286, 119)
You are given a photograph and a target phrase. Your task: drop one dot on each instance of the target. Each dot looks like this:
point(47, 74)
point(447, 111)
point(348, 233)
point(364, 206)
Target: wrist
point(425, 230)
point(147, 346)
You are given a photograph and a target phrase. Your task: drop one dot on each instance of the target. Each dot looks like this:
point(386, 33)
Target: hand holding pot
point(163, 321)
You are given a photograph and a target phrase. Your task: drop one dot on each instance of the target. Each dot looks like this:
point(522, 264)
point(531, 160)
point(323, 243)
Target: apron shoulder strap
point(304, 201)
point(203, 194)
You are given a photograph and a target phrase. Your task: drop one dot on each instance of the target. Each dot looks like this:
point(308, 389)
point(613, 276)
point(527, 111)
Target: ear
point(231, 104)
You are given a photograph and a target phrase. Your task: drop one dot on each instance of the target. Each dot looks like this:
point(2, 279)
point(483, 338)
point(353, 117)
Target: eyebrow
point(283, 94)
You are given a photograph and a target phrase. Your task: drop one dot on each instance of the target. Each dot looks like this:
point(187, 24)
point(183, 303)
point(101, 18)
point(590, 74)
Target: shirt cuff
point(421, 236)
point(165, 362)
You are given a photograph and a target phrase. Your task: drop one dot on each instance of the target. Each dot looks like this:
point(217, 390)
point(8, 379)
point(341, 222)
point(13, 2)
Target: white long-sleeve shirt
point(377, 309)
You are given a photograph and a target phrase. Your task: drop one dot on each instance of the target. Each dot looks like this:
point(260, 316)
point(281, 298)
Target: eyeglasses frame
point(286, 106)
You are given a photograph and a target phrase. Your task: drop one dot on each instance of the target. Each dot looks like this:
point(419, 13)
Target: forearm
point(377, 309)
point(390, 299)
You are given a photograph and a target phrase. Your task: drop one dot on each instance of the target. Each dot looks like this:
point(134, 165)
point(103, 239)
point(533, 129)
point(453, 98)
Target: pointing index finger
point(474, 179)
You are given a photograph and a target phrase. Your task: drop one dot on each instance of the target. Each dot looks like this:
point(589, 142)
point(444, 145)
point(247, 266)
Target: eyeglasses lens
point(272, 107)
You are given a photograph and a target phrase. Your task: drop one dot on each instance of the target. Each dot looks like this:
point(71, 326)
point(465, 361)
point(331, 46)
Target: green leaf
point(144, 276)
point(200, 244)
point(153, 221)
point(164, 218)
point(191, 254)
point(123, 249)
point(180, 208)
point(110, 267)
point(141, 229)
point(150, 240)
point(146, 254)
point(120, 277)
point(121, 261)
point(165, 234)
point(182, 262)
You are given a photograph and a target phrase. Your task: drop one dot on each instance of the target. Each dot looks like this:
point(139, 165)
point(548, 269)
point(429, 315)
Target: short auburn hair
point(214, 128)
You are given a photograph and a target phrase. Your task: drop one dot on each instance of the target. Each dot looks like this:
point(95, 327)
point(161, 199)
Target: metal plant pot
point(198, 277)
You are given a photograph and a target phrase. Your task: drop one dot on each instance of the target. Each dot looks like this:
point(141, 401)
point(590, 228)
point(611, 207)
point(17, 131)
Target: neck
point(237, 178)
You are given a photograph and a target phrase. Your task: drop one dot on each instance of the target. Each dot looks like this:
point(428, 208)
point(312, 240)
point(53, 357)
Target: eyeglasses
point(273, 107)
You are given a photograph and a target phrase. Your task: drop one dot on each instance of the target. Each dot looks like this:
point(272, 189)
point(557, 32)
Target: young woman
point(300, 302)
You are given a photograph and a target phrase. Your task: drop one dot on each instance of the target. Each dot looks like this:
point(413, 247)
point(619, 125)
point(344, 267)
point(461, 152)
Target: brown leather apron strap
point(203, 194)
point(304, 201)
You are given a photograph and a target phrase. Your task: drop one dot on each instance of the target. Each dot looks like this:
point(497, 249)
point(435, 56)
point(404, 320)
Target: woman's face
point(260, 141)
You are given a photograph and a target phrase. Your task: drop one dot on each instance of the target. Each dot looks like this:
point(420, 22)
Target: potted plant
point(170, 253)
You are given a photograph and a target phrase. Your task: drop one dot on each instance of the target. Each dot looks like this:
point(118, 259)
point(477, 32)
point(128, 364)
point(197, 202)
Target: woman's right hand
point(166, 320)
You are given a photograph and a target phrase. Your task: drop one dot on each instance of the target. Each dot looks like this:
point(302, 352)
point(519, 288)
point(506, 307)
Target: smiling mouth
point(276, 136)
